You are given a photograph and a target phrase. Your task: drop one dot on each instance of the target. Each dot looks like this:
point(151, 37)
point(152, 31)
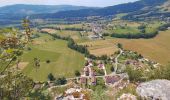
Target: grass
point(125, 27)
point(129, 89)
point(65, 33)
point(126, 30)
point(64, 61)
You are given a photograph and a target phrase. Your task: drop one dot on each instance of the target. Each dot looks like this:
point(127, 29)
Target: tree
point(28, 31)
point(15, 86)
point(13, 44)
point(134, 75)
point(51, 77)
point(162, 72)
point(99, 94)
point(112, 69)
point(61, 81)
point(36, 63)
point(48, 61)
point(77, 73)
point(119, 45)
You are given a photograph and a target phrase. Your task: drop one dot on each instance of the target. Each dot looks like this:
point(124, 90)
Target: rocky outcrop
point(154, 90)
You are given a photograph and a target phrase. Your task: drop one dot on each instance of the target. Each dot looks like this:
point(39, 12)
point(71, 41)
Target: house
point(93, 80)
point(94, 36)
point(93, 73)
point(86, 71)
point(111, 79)
point(83, 80)
point(132, 62)
point(74, 94)
point(168, 28)
point(101, 66)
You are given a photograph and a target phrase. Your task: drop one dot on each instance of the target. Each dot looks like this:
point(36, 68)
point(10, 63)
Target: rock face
point(154, 90)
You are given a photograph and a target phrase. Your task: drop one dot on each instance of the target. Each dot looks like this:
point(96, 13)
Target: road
point(116, 60)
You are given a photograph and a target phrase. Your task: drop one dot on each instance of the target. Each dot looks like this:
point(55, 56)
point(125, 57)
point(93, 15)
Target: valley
point(78, 52)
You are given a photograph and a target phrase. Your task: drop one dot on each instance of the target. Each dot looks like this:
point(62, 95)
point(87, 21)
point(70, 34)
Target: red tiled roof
point(93, 80)
point(112, 79)
point(83, 80)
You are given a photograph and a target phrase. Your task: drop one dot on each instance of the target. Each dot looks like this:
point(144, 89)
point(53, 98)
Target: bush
point(29, 49)
point(119, 45)
point(77, 73)
point(51, 77)
point(100, 72)
point(112, 69)
point(61, 81)
point(48, 61)
point(134, 75)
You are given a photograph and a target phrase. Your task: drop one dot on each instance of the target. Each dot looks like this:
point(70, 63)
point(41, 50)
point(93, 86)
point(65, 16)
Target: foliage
point(13, 43)
point(48, 61)
point(161, 73)
point(135, 36)
point(119, 45)
point(112, 69)
point(164, 27)
point(15, 86)
point(129, 89)
point(134, 75)
point(77, 73)
point(51, 77)
point(60, 81)
point(98, 94)
point(39, 94)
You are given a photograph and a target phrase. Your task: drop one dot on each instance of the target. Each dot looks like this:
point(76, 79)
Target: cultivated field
point(63, 61)
point(64, 33)
point(100, 47)
point(156, 49)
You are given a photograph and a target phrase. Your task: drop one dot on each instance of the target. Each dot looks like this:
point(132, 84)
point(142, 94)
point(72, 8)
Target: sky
point(90, 3)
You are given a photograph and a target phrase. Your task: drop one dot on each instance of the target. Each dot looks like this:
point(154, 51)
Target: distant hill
point(139, 10)
point(160, 11)
point(112, 10)
point(37, 9)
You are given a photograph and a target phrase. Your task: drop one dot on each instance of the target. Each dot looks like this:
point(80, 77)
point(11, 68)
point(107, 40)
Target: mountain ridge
point(106, 11)
point(37, 9)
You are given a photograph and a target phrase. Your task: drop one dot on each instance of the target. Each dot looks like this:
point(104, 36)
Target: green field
point(64, 61)
point(125, 27)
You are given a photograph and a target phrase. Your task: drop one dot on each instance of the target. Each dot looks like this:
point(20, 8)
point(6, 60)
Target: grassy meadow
point(63, 61)
point(125, 27)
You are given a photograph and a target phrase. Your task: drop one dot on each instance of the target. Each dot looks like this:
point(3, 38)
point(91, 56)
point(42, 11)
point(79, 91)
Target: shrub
point(77, 73)
point(48, 61)
point(51, 77)
point(112, 69)
point(61, 81)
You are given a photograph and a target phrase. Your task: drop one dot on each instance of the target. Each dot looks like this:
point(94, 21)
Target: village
point(95, 74)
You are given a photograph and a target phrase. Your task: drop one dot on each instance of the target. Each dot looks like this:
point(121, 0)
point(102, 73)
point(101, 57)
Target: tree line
point(67, 28)
point(164, 27)
point(135, 36)
point(79, 48)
